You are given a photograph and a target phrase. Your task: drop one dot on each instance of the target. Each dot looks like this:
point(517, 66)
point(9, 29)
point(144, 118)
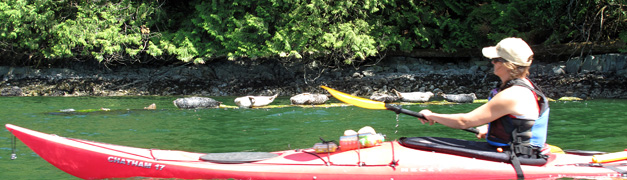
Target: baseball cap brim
point(490, 52)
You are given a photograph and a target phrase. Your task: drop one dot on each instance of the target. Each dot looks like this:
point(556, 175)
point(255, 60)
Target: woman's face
point(500, 69)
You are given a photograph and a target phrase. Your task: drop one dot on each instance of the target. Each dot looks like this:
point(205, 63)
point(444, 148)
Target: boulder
point(12, 91)
point(309, 99)
point(254, 101)
point(196, 103)
point(573, 65)
point(414, 96)
point(591, 64)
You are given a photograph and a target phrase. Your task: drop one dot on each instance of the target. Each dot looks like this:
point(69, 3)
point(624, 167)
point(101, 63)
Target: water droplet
point(396, 127)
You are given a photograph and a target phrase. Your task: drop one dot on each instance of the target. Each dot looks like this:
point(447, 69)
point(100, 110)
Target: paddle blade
point(356, 101)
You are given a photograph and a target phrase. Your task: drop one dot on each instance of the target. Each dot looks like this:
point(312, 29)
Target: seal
point(386, 98)
point(196, 103)
point(459, 98)
point(309, 99)
point(414, 96)
point(254, 101)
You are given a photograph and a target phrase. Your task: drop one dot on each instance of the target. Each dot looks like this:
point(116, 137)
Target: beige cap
point(514, 50)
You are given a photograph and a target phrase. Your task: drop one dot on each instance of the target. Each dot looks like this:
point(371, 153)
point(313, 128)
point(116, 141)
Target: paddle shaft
point(399, 110)
point(370, 104)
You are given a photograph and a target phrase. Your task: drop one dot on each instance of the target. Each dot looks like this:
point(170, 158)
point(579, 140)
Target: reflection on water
point(587, 125)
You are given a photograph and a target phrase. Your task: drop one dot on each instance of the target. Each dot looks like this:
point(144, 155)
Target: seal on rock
point(196, 103)
point(386, 98)
point(254, 101)
point(414, 96)
point(309, 99)
point(459, 98)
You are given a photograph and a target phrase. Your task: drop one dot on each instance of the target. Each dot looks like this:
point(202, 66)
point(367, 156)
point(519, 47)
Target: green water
point(587, 125)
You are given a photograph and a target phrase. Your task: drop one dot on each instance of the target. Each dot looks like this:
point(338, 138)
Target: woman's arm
point(509, 101)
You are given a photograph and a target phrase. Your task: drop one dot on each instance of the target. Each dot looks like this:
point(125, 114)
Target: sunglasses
point(498, 60)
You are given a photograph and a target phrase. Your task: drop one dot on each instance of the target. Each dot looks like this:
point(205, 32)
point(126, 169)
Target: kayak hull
point(94, 160)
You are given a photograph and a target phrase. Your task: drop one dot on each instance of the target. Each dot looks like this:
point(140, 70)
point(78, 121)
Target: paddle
point(371, 104)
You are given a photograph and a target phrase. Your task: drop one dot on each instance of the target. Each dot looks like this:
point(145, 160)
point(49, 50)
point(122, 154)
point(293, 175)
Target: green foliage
point(623, 38)
point(338, 32)
point(46, 29)
point(550, 21)
point(25, 26)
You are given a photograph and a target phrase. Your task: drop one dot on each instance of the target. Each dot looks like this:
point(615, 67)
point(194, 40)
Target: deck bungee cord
point(326, 162)
point(13, 146)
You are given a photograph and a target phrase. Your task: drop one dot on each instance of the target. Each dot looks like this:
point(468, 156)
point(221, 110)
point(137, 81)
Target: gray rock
point(558, 70)
point(12, 91)
point(309, 99)
point(401, 68)
point(573, 65)
point(591, 64)
point(368, 73)
point(196, 103)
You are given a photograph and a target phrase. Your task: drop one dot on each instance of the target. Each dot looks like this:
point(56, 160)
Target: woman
point(517, 115)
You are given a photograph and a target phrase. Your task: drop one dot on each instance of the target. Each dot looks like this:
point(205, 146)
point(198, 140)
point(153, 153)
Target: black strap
point(521, 82)
point(327, 142)
point(513, 155)
point(328, 150)
point(515, 162)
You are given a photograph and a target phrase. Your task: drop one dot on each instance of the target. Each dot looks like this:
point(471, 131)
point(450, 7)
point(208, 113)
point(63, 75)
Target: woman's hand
point(483, 131)
point(426, 113)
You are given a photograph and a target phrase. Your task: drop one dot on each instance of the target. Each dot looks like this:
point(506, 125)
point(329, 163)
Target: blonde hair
point(516, 71)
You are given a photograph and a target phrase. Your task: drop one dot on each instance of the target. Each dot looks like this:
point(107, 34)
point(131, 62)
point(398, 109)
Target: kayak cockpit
point(472, 149)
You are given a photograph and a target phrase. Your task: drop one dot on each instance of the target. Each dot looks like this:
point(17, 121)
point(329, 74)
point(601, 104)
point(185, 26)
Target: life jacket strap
point(513, 158)
point(513, 155)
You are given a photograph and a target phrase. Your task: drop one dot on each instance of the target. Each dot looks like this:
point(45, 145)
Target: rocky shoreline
point(598, 76)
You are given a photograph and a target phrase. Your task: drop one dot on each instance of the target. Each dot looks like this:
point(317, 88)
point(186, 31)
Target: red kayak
point(390, 160)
